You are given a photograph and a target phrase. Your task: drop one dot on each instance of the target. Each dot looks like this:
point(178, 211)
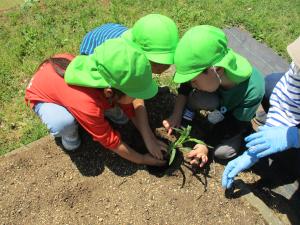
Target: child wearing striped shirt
point(281, 131)
point(157, 36)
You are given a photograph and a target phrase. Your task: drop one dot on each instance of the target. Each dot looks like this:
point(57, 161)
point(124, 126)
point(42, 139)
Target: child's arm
point(175, 119)
point(101, 131)
point(199, 155)
point(140, 120)
point(128, 153)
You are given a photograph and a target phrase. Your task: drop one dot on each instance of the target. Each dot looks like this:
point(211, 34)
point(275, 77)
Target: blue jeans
point(270, 82)
point(61, 123)
point(58, 119)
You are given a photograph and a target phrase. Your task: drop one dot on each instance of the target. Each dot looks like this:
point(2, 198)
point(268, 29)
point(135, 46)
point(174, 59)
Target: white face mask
point(215, 70)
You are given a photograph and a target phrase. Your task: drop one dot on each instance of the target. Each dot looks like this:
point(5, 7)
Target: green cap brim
point(147, 93)
point(237, 68)
point(162, 58)
point(182, 78)
point(81, 71)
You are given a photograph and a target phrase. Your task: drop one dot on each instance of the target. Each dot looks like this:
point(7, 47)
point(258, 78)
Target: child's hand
point(155, 147)
point(172, 121)
point(149, 160)
point(199, 153)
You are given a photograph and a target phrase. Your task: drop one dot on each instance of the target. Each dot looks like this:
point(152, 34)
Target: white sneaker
point(71, 143)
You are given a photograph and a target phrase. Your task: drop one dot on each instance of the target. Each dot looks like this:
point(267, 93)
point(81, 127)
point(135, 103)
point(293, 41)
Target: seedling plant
point(178, 144)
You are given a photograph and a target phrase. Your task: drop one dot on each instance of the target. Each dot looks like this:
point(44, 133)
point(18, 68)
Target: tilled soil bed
point(42, 184)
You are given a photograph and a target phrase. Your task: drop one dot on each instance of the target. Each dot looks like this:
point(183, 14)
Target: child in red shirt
point(110, 80)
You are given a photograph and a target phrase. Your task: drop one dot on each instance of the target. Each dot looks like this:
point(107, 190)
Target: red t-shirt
point(87, 105)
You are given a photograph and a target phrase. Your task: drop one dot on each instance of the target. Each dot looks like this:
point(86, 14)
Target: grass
point(36, 30)
point(7, 4)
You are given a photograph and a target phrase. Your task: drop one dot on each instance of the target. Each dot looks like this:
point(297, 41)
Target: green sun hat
point(157, 35)
point(117, 64)
point(204, 46)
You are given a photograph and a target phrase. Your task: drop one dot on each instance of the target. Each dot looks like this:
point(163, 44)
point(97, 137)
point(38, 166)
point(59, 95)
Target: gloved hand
point(235, 166)
point(269, 140)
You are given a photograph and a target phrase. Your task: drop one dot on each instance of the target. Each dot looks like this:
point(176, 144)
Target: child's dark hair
point(118, 92)
point(205, 71)
point(60, 65)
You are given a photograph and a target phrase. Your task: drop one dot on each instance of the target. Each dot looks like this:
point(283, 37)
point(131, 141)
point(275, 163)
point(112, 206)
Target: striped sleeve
point(285, 100)
point(99, 35)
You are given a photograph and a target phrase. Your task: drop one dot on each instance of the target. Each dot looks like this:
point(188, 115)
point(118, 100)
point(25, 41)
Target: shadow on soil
point(91, 158)
point(279, 184)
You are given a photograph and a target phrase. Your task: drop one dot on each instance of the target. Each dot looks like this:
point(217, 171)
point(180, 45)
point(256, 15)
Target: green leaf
point(189, 128)
point(173, 153)
point(185, 149)
point(196, 141)
point(178, 130)
point(187, 132)
point(170, 147)
point(184, 134)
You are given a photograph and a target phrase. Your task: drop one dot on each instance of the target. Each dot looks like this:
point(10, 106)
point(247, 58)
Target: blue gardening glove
point(235, 166)
point(269, 140)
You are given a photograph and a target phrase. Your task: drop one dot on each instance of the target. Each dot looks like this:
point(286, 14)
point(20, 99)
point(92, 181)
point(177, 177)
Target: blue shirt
point(99, 35)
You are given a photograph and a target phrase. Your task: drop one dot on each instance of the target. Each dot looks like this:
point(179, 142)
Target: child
point(157, 36)
point(281, 131)
point(118, 72)
point(220, 79)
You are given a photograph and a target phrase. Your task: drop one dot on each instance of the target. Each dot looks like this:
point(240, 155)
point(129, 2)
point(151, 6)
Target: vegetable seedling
point(178, 144)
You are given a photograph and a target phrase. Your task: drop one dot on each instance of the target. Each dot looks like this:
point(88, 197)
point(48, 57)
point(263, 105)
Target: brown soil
point(44, 185)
